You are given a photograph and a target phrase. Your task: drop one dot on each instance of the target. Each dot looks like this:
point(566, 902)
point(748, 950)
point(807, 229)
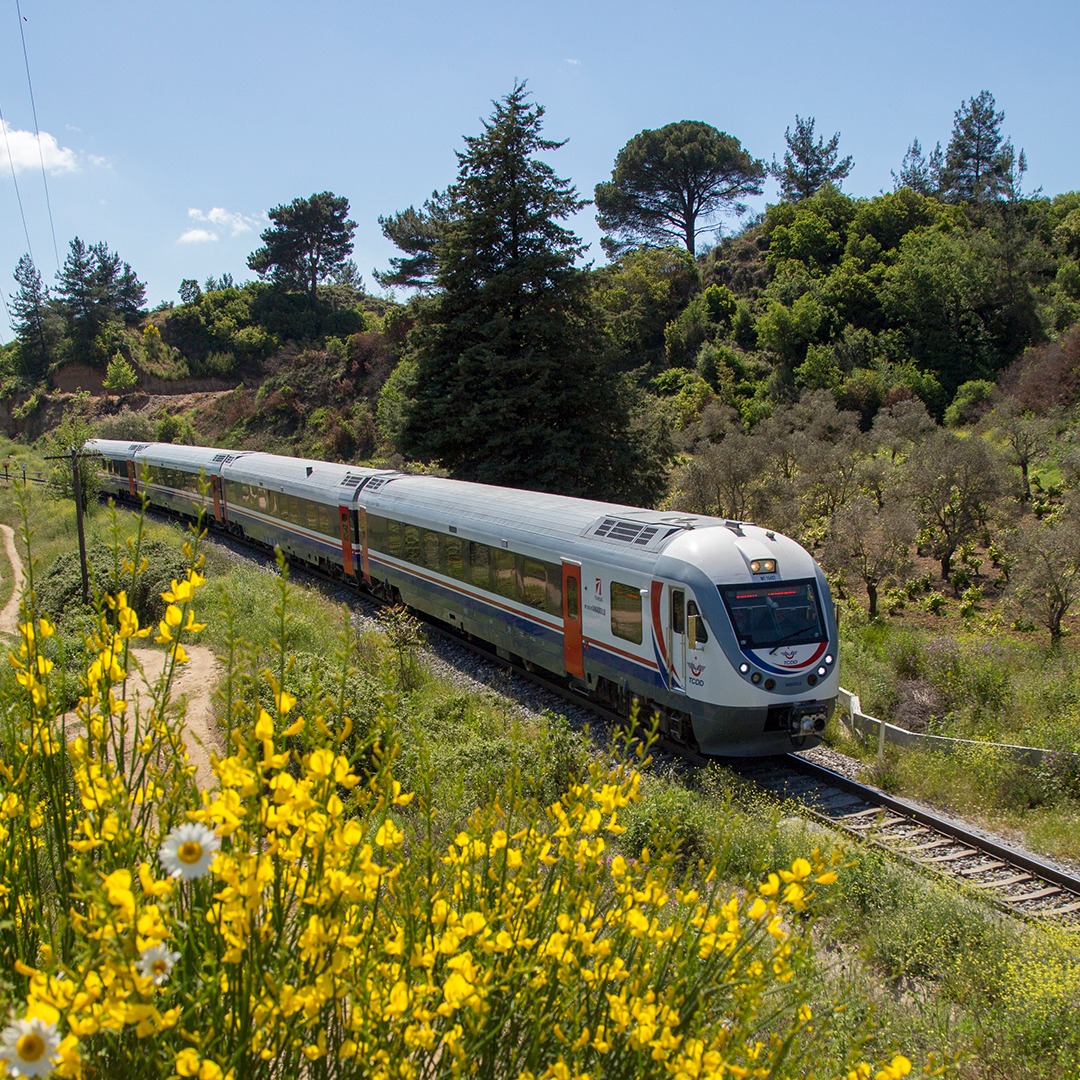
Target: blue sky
point(168, 130)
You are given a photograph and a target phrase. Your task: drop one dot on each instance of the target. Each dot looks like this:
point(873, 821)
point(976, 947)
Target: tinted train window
point(768, 616)
point(534, 582)
point(480, 565)
point(430, 542)
point(455, 563)
point(506, 577)
point(626, 612)
point(700, 633)
point(410, 548)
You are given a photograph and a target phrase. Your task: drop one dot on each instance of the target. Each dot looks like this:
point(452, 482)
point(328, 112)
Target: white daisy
point(188, 851)
point(155, 963)
point(29, 1047)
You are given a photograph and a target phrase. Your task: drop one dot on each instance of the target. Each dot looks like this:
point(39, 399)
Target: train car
point(724, 628)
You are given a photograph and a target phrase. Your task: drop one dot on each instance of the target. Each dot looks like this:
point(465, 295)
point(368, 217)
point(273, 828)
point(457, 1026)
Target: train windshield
point(769, 616)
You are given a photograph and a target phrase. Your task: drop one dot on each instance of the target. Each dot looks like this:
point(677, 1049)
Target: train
point(724, 629)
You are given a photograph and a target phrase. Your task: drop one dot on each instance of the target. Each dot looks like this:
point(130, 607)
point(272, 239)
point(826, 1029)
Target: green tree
point(309, 242)
point(669, 185)
point(33, 321)
point(870, 543)
point(95, 288)
point(416, 233)
point(638, 295)
point(978, 161)
point(120, 376)
point(511, 384)
point(1045, 580)
point(809, 165)
point(918, 172)
point(953, 483)
point(941, 292)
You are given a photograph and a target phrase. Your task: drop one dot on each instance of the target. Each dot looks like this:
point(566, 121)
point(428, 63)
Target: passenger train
point(723, 628)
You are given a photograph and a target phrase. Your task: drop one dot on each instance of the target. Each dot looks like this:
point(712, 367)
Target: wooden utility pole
point(76, 454)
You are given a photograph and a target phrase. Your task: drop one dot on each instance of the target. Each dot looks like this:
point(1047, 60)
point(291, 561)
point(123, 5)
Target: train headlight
point(744, 668)
point(829, 658)
point(811, 680)
point(763, 566)
point(770, 684)
point(822, 671)
point(756, 678)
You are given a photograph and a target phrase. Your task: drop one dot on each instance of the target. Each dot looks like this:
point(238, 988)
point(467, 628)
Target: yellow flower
point(896, 1070)
point(389, 835)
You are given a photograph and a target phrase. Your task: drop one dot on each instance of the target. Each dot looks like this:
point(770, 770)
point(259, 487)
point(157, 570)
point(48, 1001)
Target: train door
point(345, 521)
point(573, 639)
point(215, 491)
point(362, 540)
point(677, 639)
point(133, 487)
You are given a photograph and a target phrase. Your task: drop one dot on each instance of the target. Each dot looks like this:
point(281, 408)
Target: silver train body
point(724, 628)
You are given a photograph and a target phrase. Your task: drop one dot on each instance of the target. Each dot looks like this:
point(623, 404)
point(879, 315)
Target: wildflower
point(187, 851)
point(29, 1047)
point(155, 963)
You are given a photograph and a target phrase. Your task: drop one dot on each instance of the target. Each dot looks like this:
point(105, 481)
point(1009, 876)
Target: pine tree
point(978, 161)
point(920, 173)
point(33, 321)
point(809, 165)
point(511, 387)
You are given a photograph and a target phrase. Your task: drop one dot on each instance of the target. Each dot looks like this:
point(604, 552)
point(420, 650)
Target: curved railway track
point(1011, 880)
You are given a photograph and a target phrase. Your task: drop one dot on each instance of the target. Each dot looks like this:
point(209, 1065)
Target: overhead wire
point(37, 133)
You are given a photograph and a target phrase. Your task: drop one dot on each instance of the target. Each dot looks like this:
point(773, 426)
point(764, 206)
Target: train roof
point(527, 519)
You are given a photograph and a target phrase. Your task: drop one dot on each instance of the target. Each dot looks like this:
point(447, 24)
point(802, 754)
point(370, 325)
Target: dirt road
point(193, 687)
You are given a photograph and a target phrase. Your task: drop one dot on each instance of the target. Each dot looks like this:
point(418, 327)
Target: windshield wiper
point(790, 639)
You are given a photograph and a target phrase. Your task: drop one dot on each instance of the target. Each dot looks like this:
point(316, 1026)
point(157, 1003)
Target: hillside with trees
point(907, 361)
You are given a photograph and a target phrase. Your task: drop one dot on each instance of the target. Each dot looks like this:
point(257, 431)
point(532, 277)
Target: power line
point(37, 134)
point(15, 181)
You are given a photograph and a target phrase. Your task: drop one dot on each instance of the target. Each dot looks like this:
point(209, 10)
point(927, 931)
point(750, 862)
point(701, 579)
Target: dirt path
point(9, 617)
point(193, 685)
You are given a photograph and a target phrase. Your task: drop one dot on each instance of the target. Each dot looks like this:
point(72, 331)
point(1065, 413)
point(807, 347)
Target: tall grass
point(311, 914)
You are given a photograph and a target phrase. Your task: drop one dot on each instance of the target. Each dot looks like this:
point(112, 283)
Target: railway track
point(1013, 881)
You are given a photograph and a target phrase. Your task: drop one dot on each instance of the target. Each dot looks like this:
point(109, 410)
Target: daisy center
point(30, 1047)
point(190, 852)
point(159, 967)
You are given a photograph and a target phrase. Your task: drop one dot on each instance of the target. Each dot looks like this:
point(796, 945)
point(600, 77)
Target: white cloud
point(572, 62)
point(235, 224)
point(198, 236)
point(22, 151)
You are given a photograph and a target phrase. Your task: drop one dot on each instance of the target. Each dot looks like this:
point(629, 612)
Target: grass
point(931, 969)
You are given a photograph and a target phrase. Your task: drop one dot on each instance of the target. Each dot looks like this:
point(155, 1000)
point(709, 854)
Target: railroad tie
point(1016, 879)
point(982, 868)
point(1050, 890)
point(963, 853)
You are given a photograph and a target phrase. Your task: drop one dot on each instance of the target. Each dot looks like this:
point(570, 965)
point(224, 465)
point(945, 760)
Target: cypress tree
point(511, 382)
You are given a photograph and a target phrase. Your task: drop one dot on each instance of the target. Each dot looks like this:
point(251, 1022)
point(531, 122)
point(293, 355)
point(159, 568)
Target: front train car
point(744, 628)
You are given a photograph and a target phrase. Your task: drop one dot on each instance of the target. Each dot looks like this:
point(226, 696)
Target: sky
point(169, 130)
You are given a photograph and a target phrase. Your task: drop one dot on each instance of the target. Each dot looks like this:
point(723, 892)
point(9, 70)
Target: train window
point(480, 565)
point(394, 541)
point(430, 542)
point(700, 633)
point(572, 596)
point(678, 611)
point(411, 544)
point(327, 525)
point(455, 563)
point(768, 616)
point(534, 582)
point(378, 532)
point(626, 612)
point(506, 573)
